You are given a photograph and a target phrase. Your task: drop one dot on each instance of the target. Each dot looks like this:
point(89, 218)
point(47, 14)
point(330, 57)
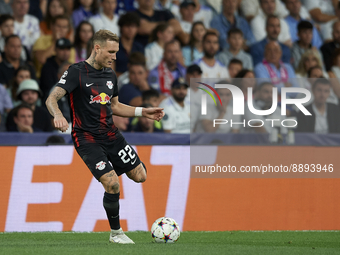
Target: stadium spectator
point(5, 7)
point(106, 19)
point(227, 20)
point(328, 48)
point(11, 60)
point(259, 23)
point(144, 124)
point(26, 26)
point(161, 77)
point(5, 106)
point(234, 67)
point(324, 118)
point(305, 33)
point(245, 79)
point(323, 12)
point(83, 35)
point(37, 8)
point(264, 101)
point(49, 71)
point(128, 25)
point(203, 13)
point(315, 72)
point(177, 111)
point(83, 10)
point(235, 50)
point(273, 28)
point(23, 119)
point(131, 93)
point(211, 67)
point(7, 29)
point(54, 8)
point(44, 47)
point(150, 18)
point(187, 11)
point(224, 111)
point(194, 50)
point(151, 97)
point(297, 14)
point(154, 51)
point(272, 68)
point(308, 59)
point(29, 93)
point(20, 74)
point(250, 8)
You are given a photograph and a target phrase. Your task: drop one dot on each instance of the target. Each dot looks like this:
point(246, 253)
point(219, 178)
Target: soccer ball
point(165, 230)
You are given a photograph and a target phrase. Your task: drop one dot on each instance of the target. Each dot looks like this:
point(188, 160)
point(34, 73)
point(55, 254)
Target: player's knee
point(114, 187)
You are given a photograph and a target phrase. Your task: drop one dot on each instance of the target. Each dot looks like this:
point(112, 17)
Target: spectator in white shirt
point(211, 67)
point(26, 26)
point(106, 19)
point(250, 9)
point(258, 24)
point(218, 111)
point(187, 11)
point(161, 35)
point(177, 111)
point(323, 12)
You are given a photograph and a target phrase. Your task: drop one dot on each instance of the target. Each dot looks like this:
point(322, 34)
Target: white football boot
point(118, 236)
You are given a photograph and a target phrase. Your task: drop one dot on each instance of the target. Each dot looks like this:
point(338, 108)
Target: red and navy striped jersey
point(90, 93)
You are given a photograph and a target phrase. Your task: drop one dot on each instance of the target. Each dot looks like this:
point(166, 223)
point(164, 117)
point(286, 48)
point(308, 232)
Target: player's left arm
point(124, 110)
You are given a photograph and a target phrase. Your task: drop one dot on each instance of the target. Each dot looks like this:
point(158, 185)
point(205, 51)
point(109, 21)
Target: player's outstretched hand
point(60, 123)
point(153, 113)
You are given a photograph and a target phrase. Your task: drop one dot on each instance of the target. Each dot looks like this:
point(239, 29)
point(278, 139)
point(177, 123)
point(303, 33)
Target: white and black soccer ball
point(165, 230)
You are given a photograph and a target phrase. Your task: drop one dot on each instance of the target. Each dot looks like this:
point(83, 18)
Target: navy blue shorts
point(103, 157)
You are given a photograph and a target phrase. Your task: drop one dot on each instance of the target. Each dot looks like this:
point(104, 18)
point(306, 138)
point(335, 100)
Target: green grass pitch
point(235, 242)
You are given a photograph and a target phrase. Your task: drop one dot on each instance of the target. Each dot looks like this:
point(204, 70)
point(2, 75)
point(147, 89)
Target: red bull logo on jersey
point(102, 98)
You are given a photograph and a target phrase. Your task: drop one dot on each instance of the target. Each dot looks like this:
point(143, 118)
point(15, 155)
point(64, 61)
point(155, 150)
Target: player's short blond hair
point(102, 36)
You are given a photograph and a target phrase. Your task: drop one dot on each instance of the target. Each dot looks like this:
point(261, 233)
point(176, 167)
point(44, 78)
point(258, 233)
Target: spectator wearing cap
point(187, 10)
point(49, 71)
point(219, 111)
point(26, 26)
point(23, 119)
point(5, 106)
point(324, 118)
point(227, 20)
point(128, 25)
point(106, 18)
point(143, 124)
point(211, 67)
point(297, 14)
point(161, 77)
point(7, 29)
point(12, 60)
point(305, 33)
point(194, 96)
point(273, 28)
point(258, 24)
point(29, 93)
point(235, 50)
point(44, 47)
point(177, 111)
point(273, 69)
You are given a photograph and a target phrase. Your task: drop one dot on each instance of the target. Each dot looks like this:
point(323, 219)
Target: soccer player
point(93, 95)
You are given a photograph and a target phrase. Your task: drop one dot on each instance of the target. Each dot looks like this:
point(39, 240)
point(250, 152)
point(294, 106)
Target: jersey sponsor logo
point(109, 84)
point(88, 85)
point(100, 165)
point(62, 80)
point(102, 98)
point(64, 74)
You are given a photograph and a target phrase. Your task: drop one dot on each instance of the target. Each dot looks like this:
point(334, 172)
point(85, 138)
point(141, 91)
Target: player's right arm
point(52, 105)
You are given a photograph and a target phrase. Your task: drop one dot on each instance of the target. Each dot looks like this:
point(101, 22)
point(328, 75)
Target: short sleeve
point(70, 79)
point(310, 5)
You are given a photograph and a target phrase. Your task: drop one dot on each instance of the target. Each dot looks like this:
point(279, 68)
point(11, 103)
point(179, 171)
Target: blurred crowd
point(257, 44)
